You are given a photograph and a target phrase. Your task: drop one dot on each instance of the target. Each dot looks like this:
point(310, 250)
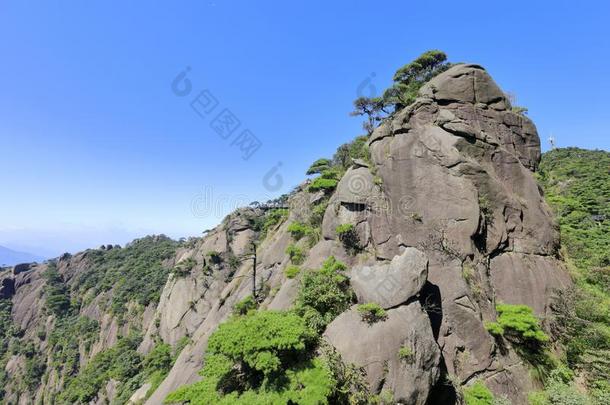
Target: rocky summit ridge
point(449, 222)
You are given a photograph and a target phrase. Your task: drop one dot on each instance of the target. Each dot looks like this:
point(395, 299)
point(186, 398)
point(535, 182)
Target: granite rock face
point(375, 347)
point(391, 284)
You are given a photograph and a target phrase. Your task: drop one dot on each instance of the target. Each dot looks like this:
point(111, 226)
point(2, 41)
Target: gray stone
point(391, 284)
point(527, 279)
point(375, 348)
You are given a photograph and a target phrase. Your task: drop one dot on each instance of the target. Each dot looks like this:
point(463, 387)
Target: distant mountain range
point(9, 257)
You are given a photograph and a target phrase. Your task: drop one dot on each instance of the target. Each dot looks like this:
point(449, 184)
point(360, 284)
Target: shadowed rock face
point(450, 221)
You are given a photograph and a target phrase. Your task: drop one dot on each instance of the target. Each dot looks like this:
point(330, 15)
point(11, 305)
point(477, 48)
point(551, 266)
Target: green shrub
point(184, 268)
point(182, 343)
point(273, 218)
point(319, 166)
point(292, 271)
point(478, 394)
point(334, 173)
point(298, 230)
point(233, 261)
point(296, 254)
point(349, 237)
point(405, 353)
point(260, 359)
point(245, 306)
point(159, 359)
point(321, 183)
point(324, 294)
point(372, 312)
point(518, 324)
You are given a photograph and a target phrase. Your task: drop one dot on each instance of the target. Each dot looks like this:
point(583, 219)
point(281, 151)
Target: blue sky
point(96, 148)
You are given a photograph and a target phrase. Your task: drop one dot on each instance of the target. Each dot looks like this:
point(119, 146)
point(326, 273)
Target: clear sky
point(96, 147)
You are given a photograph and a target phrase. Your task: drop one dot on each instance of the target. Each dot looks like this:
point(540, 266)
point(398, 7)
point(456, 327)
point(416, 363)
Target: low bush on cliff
point(298, 230)
point(519, 325)
point(184, 268)
point(349, 237)
point(292, 271)
point(478, 394)
point(372, 312)
point(324, 294)
point(296, 254)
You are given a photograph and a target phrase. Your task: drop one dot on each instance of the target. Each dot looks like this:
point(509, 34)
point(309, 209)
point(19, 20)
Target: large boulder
point(376, 347)
point(467, 83)
point(7, 288)
point(393, 283)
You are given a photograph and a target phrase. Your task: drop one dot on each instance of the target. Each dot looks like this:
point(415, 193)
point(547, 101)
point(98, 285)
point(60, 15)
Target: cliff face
point(449, 221)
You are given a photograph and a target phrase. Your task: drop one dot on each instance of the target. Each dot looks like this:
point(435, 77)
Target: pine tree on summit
point(406, 83)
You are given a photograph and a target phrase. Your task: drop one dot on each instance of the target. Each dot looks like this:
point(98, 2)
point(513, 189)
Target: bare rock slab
point(394, 283)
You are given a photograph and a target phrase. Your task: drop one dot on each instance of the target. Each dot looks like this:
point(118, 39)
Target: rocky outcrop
point(376, 348)
point(391, 284)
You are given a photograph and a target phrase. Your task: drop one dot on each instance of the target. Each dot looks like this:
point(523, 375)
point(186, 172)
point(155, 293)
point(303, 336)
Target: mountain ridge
point(396, 265)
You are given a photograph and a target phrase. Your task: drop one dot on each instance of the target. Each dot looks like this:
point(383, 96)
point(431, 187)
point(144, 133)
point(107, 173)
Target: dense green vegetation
point(56, 292)
point(577, 186)
point(65, 340)
point(134, 273)
point(260, 358)
point(124, 364)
